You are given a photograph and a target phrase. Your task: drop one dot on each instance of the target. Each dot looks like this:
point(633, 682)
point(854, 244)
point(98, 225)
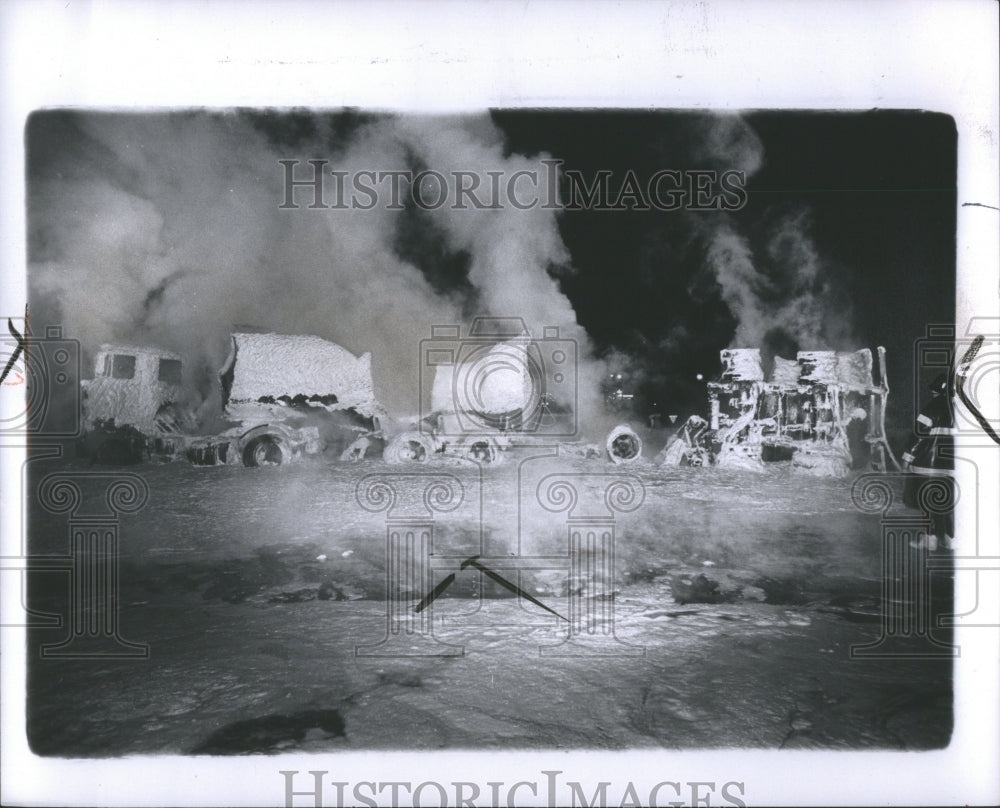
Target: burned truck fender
point(269, 444)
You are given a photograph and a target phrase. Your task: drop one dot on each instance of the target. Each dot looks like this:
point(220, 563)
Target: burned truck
point(282, 396)
point(823, 411)
point(482, 394)
point(289, 395)
point(133, 408)
point(493, 390)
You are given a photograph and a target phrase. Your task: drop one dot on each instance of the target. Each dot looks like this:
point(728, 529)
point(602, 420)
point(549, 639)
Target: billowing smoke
point(784, 296)
point(166, 229)
point(784, 299)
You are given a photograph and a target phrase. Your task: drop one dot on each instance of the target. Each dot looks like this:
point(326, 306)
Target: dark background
point(877, 187)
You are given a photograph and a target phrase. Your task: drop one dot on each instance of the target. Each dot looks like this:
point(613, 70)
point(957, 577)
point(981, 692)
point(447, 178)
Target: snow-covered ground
point(253, 588)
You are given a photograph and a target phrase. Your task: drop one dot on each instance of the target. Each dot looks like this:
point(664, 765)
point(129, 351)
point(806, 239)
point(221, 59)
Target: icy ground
point(253, 587)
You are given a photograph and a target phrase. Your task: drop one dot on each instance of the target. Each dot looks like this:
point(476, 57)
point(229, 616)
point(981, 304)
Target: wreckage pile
point(288, 395)
point(823, 411)
point(282, 396)
point(132, 405)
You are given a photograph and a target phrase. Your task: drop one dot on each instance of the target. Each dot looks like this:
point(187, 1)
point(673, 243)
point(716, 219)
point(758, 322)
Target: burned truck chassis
point(810, 411)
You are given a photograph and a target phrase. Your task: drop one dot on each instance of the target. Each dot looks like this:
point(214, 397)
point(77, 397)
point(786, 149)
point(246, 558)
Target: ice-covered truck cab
point(133, 403)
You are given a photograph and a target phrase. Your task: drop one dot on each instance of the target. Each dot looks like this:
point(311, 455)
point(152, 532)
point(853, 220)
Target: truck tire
point(484, 451)
point(263, 450)
point(623, 445)
point(410, 447)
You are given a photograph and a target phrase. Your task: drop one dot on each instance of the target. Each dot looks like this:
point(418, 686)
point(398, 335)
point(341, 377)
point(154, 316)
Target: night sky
point(877, 190)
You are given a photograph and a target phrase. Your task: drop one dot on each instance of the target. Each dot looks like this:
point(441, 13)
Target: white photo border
point(422, 56)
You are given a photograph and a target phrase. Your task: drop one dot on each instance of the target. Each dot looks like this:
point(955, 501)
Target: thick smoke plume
point(785, 296)
point(166, 229)
point(785, 299)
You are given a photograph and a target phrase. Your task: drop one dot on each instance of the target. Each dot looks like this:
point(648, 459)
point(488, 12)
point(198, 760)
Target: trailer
point(495, 389)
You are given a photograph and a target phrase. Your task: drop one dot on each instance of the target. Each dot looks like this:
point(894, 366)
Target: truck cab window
point(123, 366)
point(170, 371)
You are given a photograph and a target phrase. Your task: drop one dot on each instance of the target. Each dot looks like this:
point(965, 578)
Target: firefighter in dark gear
point(933, 455)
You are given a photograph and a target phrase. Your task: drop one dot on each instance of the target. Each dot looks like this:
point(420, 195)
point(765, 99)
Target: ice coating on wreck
point(824, 412)
point(264, 368)
point(495, 380)
point(133, 386)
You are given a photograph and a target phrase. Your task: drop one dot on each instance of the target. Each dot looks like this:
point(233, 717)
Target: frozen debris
point(786, 373)
point(409, 447)
point(741, 364)
point(357, 450)
point(701, 588)
point(588, 451)
point(298, 394)
point(685, 447)
point(824, 412)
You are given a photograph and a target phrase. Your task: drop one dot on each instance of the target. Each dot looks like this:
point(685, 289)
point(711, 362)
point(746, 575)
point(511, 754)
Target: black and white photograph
point(523, 451)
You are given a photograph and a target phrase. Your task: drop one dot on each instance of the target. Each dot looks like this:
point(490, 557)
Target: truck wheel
point(410, 447)
point(623, 445)
point(263, 450)
point(484, 451)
